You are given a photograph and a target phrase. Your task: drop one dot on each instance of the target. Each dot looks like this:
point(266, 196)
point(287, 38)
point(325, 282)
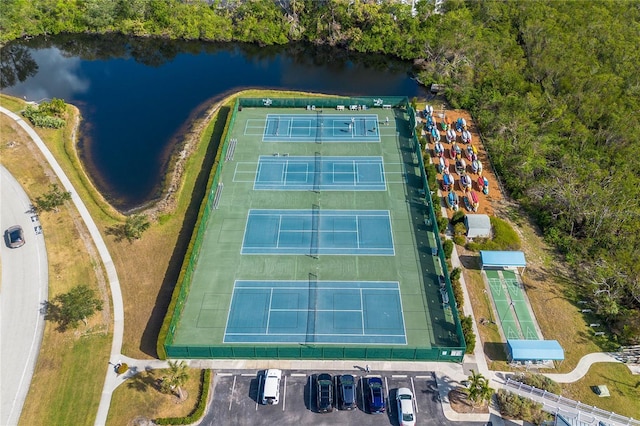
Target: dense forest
point(554, 87)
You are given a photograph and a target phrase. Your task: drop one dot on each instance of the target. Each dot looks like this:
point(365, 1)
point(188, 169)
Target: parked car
point(406, 415)
point(347, 392)
point(271, 388)
point(14, 236)
point(376, 395)
point(324, 395)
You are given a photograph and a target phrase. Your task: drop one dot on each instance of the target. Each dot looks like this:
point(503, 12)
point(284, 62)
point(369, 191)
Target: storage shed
point(478, 225)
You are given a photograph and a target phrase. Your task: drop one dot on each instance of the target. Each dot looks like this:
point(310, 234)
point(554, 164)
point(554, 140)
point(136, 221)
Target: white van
point(271, 388)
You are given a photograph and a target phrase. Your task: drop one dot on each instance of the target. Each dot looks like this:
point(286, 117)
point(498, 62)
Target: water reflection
point(137, 94)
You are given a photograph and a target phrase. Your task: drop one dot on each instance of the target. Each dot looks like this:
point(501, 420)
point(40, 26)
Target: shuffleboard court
point(318, 232)
point(318, 127)
point(312, 311)
point(520, 305)
point(503, 307)
point(320, 173)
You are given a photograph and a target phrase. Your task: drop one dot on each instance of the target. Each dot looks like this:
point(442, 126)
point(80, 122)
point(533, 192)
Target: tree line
point(553, 86)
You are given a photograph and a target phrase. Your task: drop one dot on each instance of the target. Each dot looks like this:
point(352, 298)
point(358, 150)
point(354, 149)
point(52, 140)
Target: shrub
point(517, 407)
point(122, 368)
point(455, 274)
point(539, 381)
point(443, 222)
point(432, 175)
point(447, 246)
point(458, 218)
point(198, 412)
point(466, 323)
point(457, 293)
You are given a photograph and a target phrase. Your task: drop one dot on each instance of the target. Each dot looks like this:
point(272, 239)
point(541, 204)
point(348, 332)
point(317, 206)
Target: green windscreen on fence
point(246, 124)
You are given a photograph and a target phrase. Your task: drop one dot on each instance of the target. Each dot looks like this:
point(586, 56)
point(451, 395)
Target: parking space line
point(362, 390)
point(388, 394)
point(224, 374)
point(247, 375)
point(298, 375)
point(284, 393)
point(424, 377)
point(233, 387)
point(258, 392)
point(399, 376)
point(310, 394)
point(415, 403)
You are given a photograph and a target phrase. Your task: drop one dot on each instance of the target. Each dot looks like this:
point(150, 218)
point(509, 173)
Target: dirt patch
point(460, 403)
point(487, 202)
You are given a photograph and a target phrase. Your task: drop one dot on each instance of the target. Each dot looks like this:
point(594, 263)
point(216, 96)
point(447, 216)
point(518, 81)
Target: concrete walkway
point(112, 276)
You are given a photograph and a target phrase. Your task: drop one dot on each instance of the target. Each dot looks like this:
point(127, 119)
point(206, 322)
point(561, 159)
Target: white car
point(406, 414)
point(271, 388)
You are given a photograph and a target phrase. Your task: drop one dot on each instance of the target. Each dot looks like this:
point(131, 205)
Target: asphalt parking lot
point(236, 397)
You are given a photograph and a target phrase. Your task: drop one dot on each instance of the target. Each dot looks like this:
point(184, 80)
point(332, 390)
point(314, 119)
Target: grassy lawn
point(623, 387)
point(69, 374)
point(140, 397)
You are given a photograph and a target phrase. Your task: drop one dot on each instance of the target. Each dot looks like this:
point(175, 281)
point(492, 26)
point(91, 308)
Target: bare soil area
point(460, 403)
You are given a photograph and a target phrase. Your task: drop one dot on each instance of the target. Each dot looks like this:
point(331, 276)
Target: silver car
point(406, 414)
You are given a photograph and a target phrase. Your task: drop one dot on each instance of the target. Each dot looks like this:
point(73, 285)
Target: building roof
point(478, 225)
point(505, 259)
point(535, 350)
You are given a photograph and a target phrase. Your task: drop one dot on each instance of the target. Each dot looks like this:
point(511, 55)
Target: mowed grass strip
point(69, 373)
point(140, 398)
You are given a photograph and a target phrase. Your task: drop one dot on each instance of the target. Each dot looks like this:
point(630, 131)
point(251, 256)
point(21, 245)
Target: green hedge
point(198, 412)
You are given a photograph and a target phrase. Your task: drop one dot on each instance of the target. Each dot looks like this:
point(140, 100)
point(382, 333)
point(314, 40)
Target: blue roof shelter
point(534, 350)
point(502, 259)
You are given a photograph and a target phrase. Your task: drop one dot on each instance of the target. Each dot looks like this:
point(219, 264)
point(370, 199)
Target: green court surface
point(315, 244)
point(520, 305)
point(502, 304)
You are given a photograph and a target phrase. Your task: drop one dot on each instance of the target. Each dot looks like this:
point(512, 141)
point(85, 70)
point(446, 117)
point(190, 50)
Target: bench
point(340, 107)
point(386, 106)
point(353, 107)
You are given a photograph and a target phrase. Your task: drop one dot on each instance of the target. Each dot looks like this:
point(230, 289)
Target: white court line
point(279, 231)
point(269, 310)
point(362, 309)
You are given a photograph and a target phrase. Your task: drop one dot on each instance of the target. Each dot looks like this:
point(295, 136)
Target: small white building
point(478, 226)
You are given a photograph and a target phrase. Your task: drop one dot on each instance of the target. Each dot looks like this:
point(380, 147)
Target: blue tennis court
point(320, 173)
point(316, 232)
point(312, 311)
point(316, 127)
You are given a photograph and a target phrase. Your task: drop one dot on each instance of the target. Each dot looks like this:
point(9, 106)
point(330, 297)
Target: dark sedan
point(325, 393)
point(14, 236)
point(376, 395)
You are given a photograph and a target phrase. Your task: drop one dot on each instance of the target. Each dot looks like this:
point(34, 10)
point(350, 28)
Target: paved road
point(23, 289)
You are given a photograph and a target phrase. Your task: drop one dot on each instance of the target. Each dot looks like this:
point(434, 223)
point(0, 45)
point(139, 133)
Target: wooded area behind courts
point(553, 86)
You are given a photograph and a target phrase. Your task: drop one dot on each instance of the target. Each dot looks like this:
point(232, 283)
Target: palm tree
point(177, 377)
point(479, 390)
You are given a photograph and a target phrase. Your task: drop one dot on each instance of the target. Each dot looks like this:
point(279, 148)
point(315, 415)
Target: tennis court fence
point(168, 349)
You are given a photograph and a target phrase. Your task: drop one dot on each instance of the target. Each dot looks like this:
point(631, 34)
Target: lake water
point(137, 96)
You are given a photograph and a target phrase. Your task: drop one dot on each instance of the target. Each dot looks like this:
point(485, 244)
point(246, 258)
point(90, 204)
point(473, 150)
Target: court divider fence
point(299, 351)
